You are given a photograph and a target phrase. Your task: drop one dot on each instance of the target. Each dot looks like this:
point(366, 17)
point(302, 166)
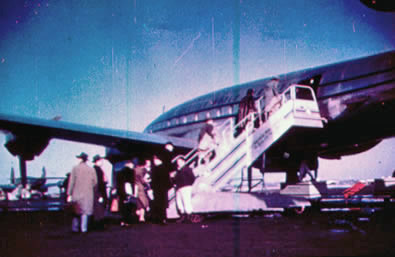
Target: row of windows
point(301, 93)
point(194, 117)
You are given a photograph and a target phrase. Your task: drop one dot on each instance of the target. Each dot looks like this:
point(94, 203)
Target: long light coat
point(81, 187)
point(143, 201)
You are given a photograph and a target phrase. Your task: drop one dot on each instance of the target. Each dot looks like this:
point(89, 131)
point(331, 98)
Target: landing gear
point(306, 167)
point(295, 211)
point(22, 167)
point(292, 177)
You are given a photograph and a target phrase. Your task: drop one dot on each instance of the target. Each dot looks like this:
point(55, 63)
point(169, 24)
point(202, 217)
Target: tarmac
point(359, 233)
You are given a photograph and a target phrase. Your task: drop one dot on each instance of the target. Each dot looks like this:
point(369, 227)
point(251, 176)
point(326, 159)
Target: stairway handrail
point(191, 155)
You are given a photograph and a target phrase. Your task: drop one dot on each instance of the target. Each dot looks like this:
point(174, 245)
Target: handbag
point(72, 208)
point(115, 205)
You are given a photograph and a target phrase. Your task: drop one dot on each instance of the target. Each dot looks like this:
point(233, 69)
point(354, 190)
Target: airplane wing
point(28, 137)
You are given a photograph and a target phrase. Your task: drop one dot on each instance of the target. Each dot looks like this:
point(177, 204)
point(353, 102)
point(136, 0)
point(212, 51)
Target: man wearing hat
point(272, 97)
point(80, 192)
point(100, 192)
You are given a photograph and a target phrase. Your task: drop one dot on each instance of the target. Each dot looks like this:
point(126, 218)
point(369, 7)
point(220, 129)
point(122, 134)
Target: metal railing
point(227, 131)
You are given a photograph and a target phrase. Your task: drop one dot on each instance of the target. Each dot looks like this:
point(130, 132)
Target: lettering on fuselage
point(261, 140)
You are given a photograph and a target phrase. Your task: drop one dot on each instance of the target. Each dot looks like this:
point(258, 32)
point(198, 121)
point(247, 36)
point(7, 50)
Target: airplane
point(36, 186)
point(356, 98)
point(379, 5)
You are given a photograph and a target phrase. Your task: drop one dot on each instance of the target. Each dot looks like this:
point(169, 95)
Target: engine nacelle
point(26, 146)
point(380, 5)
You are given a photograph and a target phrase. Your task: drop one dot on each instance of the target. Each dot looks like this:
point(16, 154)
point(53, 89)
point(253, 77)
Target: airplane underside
point(347, 136)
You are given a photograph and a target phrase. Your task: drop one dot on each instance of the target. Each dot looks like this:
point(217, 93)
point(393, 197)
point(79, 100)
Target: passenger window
point(226, 110)
point(202, 115)
point(215, 113)
point(235, 108)
point(191, 117)
point(212, 113)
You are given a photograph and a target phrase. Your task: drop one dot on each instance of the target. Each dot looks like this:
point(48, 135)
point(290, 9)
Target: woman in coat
point(142, 198)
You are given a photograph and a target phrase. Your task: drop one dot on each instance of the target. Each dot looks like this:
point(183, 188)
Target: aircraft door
point(312, 82)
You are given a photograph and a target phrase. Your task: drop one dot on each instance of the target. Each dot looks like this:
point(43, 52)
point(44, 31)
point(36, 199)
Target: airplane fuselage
point(356, 97)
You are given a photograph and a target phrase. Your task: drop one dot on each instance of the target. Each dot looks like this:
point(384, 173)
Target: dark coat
point(166, 158)
point(126, 175)
point(160, 179)
point(167, 166)
point(99, 207)
point(184, 177)
point(246, 106)
point(206, 129)
point(101, 185)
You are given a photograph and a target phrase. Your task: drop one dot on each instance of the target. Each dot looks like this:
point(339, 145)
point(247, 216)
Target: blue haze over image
point(119, 64)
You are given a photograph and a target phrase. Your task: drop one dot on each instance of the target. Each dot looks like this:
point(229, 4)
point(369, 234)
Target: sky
point(120, 64)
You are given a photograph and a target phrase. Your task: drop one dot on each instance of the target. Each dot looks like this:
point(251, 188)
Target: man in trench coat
point(80, 191)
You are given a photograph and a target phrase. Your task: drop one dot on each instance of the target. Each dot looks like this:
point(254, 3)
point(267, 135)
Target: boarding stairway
point(295, 107)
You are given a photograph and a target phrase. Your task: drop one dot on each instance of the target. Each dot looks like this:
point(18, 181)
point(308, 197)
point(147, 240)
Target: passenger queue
point(140, 193)
point(142, 185)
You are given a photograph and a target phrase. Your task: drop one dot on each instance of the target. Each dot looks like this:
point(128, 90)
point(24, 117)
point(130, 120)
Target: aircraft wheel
point(295, 211)
point(37, 196)
point(299, 210)
point(196, 218)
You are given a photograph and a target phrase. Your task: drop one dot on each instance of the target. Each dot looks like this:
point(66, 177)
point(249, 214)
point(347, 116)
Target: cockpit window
point(304, 94)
